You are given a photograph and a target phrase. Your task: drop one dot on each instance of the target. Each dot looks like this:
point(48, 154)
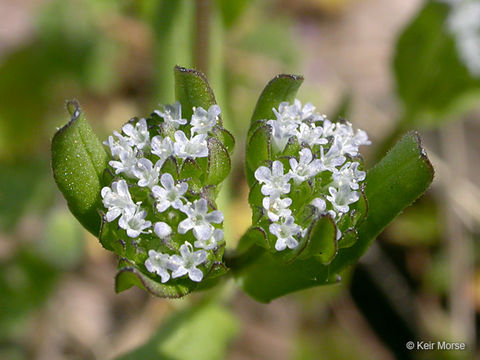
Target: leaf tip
point(423, 153)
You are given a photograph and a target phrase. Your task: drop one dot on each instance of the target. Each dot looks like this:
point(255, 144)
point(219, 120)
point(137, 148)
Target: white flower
point(281, 132)
point(188, 262)
point(275, 181)
point(116, 199)
point(137, 135)
point(306, 168)
point(172, 115)
point(277, 207)
point(126, 164)
point(349, 175)
point(194, 147)
point(285, 232)
point(328, 128)
point(163, 148)
point(311, 135)
point(332, 158)
point(320, 204)
point(202, 121)
point(133, 221)
point(169, 194)
point(199, 219)
point(117, 145)
point(159, 263)
point(146, 173)
point(342, 198)
point(348, 140)
point(212, 242)
point(162, 230)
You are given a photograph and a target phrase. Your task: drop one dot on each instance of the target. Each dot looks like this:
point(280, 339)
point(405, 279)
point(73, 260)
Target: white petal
point(162, 230)
point(195, 274)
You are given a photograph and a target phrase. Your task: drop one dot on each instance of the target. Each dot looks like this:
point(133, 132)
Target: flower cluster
point(326, 161)
point(157, 204)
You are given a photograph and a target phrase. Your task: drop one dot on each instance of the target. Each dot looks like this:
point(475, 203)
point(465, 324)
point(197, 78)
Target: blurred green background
point(387, 66)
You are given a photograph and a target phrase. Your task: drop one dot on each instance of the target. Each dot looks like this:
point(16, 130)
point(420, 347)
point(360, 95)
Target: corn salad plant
point(149, 192)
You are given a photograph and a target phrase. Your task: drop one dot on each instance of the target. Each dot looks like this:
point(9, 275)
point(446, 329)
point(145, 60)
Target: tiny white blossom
point(275, 181)
point(281, 132)
point(296, 113)
point(116, 199)
point(328, 128)
point(163, 148)
point(194, 147)
point(348, 140)
point(277, 207)
point(311, 135)
point(332, 159)
point(199, 219)
point(117, 145)
point(126, 164)
point(212, 242)
point(342, 198)
point(306, 167)
point(137, 134)
point(320, 204)
point(146, 173)
point(188, 262)
point(349, 175)
point(203, 121)
point(172, 115)
point(285, 232)
point(133, 221)
point(169, 194)
point(159, 263)
point(162, 230)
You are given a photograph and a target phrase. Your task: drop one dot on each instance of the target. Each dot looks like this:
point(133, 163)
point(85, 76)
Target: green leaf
point(219, 163)
point(393, 184)
point(281, 88)
point(128, 275)
point(78, 163)
point(321, 241)
point(225, 137)
point(202, 332)
point(192, 90)
point(431, 79)
point(259, 150)
point(190, 170)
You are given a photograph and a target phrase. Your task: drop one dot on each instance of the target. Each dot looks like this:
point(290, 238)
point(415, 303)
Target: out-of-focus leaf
point(192, 89)
point(25, 282)
point(199, 333)
point(62, 243)
point(25, 185)
point(431, 79)
point(393, 184)
point(173, 27)
point(231, 10)
point(79, 162)
point(273, 39)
